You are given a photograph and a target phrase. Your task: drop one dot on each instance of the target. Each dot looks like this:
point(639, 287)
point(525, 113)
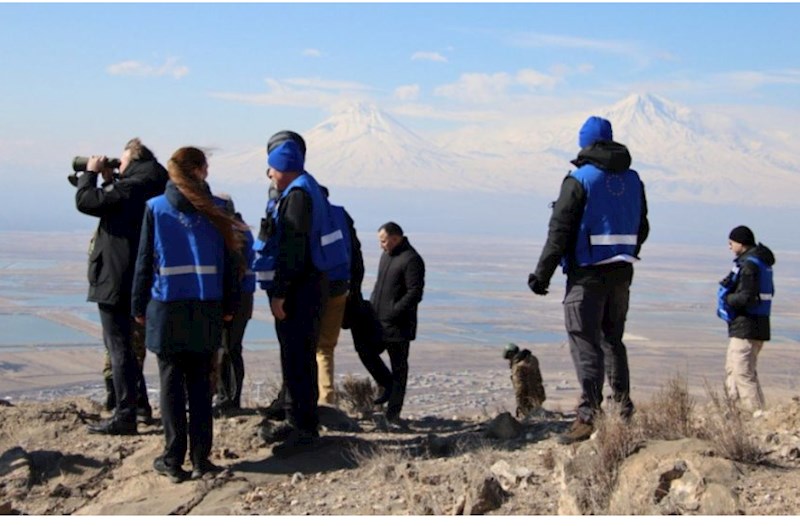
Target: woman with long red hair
point(186, 284)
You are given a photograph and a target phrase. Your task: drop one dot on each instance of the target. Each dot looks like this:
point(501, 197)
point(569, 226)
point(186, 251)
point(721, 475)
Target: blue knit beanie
point(286, 158)
point(593, 130)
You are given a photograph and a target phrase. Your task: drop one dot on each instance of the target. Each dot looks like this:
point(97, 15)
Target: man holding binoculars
point(119, 204)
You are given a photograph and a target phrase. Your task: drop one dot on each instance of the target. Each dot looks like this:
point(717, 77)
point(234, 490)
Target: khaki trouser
point(741, 378)
point(330, 326)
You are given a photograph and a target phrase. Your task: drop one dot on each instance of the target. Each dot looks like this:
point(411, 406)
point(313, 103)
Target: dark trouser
point(395, 379)
point(366, 332)
point(139, 350)
point(116, 321)
point(182, 374)
point(231, 371)
point(594, 315)
point(298, 335)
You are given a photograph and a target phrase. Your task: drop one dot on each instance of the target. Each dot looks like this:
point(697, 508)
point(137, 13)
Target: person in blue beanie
point(308, 246)
point(597, 228)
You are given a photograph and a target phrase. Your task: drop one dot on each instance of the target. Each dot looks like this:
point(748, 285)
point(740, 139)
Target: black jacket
point(294, 264)
point(120, 207)
point(354, 299)
point(749, 326)
point(398, 291)
point(187, 325)
point(568, 211)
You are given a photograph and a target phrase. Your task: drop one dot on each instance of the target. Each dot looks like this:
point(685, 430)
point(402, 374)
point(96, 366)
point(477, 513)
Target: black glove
point(538, 287)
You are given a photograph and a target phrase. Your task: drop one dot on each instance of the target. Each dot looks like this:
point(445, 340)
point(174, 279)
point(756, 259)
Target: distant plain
point(476, 300)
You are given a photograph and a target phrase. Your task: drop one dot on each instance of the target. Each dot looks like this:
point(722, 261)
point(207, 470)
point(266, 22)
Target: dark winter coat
point(567, 213)
point(744, 325)
point(398, 291)
point(186, 325)
point(354, 299)
point(120, 207)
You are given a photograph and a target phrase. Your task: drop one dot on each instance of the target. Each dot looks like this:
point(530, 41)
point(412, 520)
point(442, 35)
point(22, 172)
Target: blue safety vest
point(188, 254)
point(249, 279)
point(326, 239)
point(266, 250)
point(341, 272)
point(766, 289)
point(610, 222)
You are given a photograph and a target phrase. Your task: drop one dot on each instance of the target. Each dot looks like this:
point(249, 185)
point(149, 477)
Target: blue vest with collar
point(188, 255)
point(326, 239)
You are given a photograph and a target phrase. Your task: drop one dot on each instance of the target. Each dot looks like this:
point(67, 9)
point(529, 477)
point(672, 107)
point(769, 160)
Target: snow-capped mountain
point(681, 155)
point(364, 146)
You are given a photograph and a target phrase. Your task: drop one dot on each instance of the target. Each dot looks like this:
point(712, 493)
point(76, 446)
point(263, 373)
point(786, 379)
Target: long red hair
point(182, 168)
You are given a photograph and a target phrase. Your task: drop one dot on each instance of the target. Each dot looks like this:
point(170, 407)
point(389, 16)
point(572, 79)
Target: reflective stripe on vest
point(610, 239)
point(188, 269)
point(188, 254)
point(331, 238)
point(326, 240)
point(611, 215)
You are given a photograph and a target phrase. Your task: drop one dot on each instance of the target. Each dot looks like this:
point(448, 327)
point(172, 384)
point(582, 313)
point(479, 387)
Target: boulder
point(679, 477)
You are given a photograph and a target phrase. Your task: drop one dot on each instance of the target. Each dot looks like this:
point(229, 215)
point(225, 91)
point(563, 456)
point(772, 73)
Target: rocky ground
point(442, 465)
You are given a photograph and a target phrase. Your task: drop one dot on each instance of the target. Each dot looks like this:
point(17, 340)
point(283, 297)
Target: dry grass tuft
point(421, 487)
point(356, 395)
point(595, 476)
point(670, 413)
point(727, 428)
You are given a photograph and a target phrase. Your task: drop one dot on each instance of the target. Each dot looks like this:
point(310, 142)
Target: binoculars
point(79, 165)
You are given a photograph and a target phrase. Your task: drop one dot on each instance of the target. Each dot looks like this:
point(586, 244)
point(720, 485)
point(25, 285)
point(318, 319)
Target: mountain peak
point(648, 107)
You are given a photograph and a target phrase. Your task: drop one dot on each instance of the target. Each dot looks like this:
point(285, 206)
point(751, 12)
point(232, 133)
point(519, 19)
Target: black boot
point(111, 396)
point(114, 426)
point(384, 397)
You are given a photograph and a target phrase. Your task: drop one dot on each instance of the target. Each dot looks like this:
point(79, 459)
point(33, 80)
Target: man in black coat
point(749, 300)
point(398, 291)
point(119, 204)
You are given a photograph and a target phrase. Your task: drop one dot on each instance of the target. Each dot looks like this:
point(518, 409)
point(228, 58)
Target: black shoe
point(205, 467)
point(274, 411)
point(224, 409)
point(271, 433)
point(299, 441)
point(111, 396)
point(113, 426)
point(384, 397)
point(175, 473)
point(144, 415)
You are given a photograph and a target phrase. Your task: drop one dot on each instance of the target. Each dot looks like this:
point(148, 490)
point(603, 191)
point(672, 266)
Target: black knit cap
point(742, 234)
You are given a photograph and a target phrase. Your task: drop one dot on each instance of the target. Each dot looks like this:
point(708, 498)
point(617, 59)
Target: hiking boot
point(113, 426)
point(205, 467)
point(270, 433)
point(579, 432)
point(175, 473)
point(299, 441)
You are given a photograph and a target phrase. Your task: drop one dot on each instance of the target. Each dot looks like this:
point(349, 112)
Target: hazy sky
point(83, 79)
point(222, 74)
